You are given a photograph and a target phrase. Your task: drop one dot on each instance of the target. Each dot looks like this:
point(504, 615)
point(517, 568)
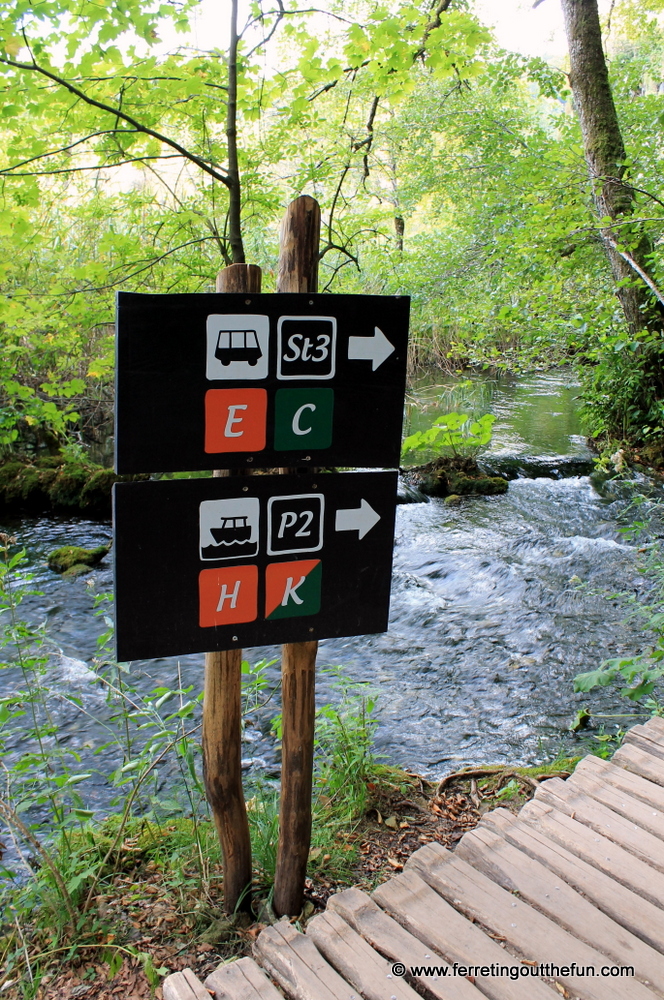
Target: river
point(497, 603)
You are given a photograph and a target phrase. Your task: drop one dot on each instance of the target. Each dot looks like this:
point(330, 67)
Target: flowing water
point(497, 603)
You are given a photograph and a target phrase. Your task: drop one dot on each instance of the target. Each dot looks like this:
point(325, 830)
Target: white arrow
point(360, 519)
point(375, 349)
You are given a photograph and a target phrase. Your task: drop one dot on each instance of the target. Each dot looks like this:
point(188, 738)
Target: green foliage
point(44, 788)
point(620, 390)
point(345, 763)
point(345, 759)
point(389, 114)
point(454, 433)
point(637, 678)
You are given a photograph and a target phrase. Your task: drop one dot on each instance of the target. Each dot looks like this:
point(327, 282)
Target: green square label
point(303, 419)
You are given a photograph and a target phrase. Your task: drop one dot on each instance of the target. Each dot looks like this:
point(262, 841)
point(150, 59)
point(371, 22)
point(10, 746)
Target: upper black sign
point(259, 381)
point(204, 564)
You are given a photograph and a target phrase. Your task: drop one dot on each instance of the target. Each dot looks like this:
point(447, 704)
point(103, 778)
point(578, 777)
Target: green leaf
point(601, 677)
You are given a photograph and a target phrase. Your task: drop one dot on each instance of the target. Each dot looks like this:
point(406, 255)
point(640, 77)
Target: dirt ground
point(149, 918)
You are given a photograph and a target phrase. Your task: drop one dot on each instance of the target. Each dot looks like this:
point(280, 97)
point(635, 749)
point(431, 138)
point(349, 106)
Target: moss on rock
point(57, 482)
point(72, 560)
point(455, 476)
point(78, 569)
point(480, 485)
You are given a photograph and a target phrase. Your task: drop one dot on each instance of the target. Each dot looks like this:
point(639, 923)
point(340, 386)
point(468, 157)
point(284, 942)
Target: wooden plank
point(522, 927)
point(633, 758)
point(366, 970)
point(632, 784)
point(241, 980)
point(184, 986)
point(391, 939)
point(515, 871)
point(592, 847)
point(620, 802)
point(644, 743)
point(654, 728)
point(297, 966)
point(630, 910)
point(439, 926)
point(605, 821)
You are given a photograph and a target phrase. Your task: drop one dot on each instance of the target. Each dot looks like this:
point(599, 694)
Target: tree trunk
point(298, 272)
point(627, 247)
point(234, 190)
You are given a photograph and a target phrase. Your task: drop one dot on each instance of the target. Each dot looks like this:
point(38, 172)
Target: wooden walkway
point(576, 877)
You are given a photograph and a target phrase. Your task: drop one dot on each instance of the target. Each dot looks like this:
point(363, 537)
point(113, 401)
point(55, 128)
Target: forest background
point(447, 168)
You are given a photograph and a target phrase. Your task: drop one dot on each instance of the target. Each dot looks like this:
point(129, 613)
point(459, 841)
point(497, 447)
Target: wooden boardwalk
point(576, 877)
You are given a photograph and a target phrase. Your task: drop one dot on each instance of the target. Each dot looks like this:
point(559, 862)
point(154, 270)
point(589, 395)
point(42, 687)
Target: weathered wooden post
point(249, 396)
point(298, 272)
point(222, 711)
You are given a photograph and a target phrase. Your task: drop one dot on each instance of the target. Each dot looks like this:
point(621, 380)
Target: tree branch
point(233, 179)
point(127, 277)
point(635, 267)
point(368, 142)
point(434, 23)
point(65, 149)
point(279, 16)
point(96, 166)
point(119, 114)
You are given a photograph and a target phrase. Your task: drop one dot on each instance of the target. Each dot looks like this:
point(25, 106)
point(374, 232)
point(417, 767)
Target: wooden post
point(222, 711)
point(298, 272)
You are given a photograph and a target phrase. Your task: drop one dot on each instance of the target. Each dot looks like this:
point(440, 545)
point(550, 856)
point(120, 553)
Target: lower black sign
point(209, 564)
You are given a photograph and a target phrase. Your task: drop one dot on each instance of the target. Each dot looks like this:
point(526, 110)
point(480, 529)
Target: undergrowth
point(61, 897)
point(639, 678)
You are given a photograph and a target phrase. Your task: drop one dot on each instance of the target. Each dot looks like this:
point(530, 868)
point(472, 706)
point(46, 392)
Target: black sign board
point(207, 564)
point(259, 381)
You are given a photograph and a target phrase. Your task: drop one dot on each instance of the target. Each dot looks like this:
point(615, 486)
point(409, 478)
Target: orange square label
point(235, 420)
point(228, 595)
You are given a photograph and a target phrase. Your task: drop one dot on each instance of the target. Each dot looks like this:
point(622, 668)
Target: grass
point(91, 886)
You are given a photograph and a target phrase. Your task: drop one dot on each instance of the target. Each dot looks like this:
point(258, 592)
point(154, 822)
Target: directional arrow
point(360, 519)
point(375, 349)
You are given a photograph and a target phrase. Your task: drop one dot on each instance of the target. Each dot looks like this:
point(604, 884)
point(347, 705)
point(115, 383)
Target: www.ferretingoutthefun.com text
point(548, 970)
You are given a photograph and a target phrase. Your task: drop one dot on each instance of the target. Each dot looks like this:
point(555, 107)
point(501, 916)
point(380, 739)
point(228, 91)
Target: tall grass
point(70, 857)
